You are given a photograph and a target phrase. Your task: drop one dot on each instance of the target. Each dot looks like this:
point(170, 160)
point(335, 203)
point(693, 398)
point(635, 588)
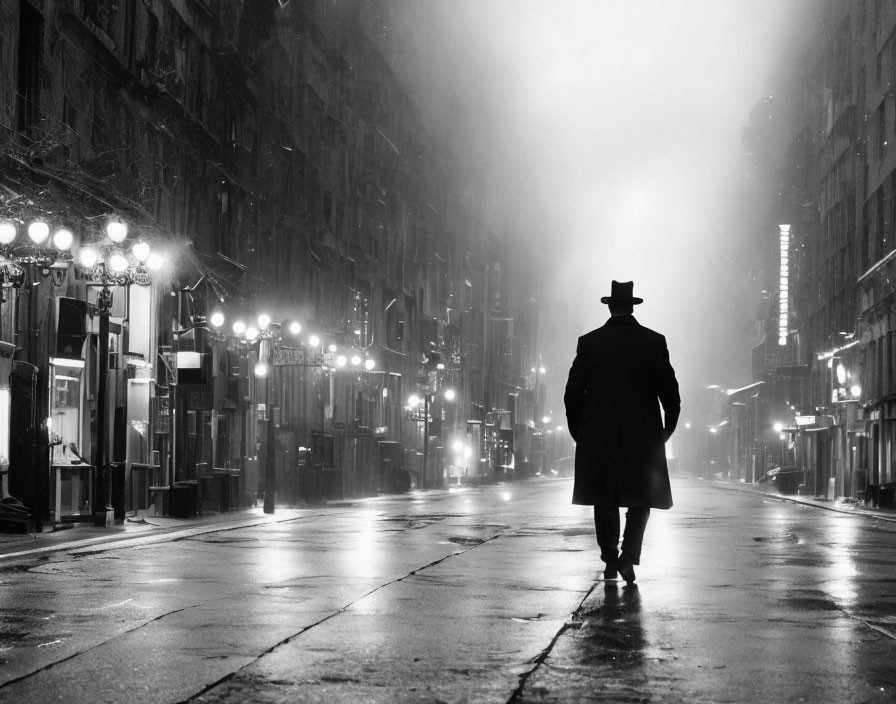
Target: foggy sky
point(628, 117)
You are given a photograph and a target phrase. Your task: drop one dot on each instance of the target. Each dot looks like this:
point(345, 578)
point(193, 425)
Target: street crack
point(198, 696)
point(574, 622)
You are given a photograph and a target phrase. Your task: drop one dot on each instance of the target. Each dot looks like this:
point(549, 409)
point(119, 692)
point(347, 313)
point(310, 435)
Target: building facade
point(821, 177)
point(276, 162)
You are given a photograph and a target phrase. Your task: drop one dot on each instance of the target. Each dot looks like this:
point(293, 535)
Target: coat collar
point(622, 320)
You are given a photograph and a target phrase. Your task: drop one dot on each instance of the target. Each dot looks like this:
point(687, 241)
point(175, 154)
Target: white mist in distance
point(626, 161)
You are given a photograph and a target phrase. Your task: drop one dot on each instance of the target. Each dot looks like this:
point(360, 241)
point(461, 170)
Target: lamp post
point(268, 337)
point(49, 257)
point(109, 264)
point(267, 334)
point(414, 403)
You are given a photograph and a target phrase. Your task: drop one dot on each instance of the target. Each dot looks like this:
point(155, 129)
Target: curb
point(169, 530)
point(158, 533)
point(855, 511)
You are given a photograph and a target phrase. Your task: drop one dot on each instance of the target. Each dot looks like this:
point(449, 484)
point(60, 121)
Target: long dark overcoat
point(619, 377)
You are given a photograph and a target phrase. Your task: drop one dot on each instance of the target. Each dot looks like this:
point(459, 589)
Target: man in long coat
point(619, 377)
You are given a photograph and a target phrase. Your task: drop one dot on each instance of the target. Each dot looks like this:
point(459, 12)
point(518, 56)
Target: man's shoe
point(610, 571)
point(626, 568)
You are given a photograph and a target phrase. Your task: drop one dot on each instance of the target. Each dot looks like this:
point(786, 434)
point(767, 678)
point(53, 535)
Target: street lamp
point(20, 261)
point(108, 263)
point(414, 402)
point(267, 335)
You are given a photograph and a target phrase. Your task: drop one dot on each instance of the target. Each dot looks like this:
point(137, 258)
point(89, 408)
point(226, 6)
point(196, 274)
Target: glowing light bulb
point(7, 232)
point(63, 239)
point(88, 257)
point(38, 232)
point(118, 262)
point(141, 251)
point(239, 327)
point(154, 261)
point(116, 231)
point(217, 319)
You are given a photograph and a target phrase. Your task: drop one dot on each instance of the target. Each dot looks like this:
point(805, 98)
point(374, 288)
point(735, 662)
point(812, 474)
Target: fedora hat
point(622, 293)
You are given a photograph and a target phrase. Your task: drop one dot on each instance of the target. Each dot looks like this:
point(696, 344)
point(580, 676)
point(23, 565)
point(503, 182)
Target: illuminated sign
point(784, 284)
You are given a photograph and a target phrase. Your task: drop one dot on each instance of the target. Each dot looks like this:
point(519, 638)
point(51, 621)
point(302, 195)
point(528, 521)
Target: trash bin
point(184, 499)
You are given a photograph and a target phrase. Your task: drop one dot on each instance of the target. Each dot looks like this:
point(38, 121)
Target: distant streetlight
point(414, 402)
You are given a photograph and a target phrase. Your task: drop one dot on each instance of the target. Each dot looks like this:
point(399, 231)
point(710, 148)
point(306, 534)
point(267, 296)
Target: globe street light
point(108, 263)
point(414, 402)
point(20, 262)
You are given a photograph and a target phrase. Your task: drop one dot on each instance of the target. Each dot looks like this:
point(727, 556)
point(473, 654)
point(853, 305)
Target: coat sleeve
point(576, 387)
point(667, 391)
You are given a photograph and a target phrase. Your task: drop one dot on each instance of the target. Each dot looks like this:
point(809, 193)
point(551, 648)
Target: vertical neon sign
point(784, 284)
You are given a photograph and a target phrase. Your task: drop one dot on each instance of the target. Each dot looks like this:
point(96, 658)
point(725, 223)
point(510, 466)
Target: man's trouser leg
point(606, 526)
point(635, 524)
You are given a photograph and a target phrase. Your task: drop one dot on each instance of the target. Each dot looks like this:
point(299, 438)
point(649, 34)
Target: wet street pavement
point(492, 594)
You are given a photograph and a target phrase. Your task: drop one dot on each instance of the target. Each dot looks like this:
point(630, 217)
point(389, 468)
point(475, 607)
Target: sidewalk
point(855, 509)
point(136, 530)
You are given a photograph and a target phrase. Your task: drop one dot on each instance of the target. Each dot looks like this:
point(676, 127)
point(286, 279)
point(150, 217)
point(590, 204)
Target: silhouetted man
point(619, 377)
